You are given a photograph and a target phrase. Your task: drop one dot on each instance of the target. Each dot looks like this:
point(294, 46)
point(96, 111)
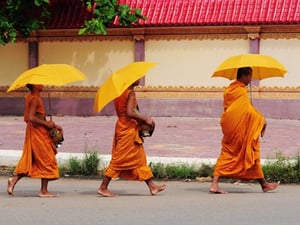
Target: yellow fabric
point(241, 126)
point(128, 155)
point(38, 158)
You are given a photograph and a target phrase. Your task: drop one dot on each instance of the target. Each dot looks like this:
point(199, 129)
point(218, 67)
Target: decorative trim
point(172, 33)
point(160, 92)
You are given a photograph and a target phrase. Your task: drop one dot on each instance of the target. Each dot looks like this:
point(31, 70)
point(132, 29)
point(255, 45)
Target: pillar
point(33, 51)
point(254, 41)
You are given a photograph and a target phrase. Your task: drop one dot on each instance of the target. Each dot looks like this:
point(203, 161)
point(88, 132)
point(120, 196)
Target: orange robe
point(38, 158)
point(241, 126)
point(128, 155)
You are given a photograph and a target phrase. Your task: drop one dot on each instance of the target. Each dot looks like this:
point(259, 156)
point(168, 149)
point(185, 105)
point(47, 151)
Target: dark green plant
point(182, 171)
point(282, 168)
point(158, 170)
point(90, 163)
point(105, 12)
point(205, 170)
point(74, 166)
point(63, 170)
point(19, 17)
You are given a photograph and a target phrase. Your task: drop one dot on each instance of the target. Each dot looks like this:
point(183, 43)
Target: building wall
point(96, 59)
point(14, 60)
point(181, 84)
point(180, 62)
point(287, 51)
point(189, 62)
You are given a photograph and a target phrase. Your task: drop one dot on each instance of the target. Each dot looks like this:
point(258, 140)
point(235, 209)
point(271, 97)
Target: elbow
point(130, 115)
point(31, 118)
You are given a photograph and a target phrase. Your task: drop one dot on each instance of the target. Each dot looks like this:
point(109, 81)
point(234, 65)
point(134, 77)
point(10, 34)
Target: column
point(33, 54)
point(254, 41)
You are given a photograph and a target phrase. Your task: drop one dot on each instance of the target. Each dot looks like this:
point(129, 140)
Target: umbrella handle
point(49, 104)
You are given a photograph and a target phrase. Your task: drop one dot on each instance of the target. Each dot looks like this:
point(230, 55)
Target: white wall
point(288, 53)
point(190, 62)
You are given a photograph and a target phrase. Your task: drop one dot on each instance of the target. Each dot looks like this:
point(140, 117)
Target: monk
point(241, 125)
point(38, 158)
point(128, 155)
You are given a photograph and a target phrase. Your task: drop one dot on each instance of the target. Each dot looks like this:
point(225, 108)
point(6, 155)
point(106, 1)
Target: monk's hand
point(149, 121)
point(58, 127)
point(50, 124)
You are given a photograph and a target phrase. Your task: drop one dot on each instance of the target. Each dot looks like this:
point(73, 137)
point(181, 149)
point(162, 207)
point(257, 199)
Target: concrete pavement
point(181, 203)
point(183, 139)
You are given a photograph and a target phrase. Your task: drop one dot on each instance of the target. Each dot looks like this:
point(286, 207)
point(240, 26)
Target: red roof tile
point(72, 13)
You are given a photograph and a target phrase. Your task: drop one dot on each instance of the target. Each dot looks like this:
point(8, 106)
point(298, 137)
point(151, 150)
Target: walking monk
point(241, 125)
point(38, 158)
point(128, 155)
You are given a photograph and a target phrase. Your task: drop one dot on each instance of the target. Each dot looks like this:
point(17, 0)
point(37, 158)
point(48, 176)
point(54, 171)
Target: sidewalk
point(175, 138)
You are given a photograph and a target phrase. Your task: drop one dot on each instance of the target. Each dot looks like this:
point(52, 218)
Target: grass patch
point(88, 166)
point(180, 171)
point(282, 168)
point(90, 163)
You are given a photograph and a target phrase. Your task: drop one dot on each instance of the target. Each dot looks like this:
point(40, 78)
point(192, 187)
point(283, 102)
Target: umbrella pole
point(49, 104)
point(251, 92)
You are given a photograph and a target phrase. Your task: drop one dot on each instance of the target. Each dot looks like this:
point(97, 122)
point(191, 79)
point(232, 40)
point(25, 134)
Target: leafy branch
point(20, 18)
point(105, 12)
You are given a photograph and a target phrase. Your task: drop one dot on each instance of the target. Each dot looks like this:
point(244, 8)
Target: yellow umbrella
point(48, 74)
point(119, 81)
point(263, 66)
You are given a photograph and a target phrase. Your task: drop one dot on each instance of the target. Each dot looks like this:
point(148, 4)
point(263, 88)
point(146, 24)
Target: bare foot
point(48, 195)
point(217, 191)
point(155, 189)
point(270, 186)
point(10, 186)
point(106, 193)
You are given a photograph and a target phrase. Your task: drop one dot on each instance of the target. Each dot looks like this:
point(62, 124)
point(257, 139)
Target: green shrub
point(90, 163)
point(74, 166)
point(63, 170)
point(205, 170)
point(180, 171)
point(158, 170)
point(282, 168)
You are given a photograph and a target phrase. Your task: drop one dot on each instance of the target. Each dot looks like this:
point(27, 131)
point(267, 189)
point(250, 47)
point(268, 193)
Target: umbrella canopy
point(119, 81)
point(48, 74)
point(263, 66)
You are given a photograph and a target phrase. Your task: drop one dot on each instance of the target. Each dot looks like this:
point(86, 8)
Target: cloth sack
point(55, 134)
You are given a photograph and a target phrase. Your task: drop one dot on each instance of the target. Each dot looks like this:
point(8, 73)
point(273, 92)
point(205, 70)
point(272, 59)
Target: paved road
point(181, 203)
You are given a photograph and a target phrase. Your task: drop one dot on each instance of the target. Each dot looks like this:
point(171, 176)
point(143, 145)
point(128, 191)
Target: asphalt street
point(181, 203)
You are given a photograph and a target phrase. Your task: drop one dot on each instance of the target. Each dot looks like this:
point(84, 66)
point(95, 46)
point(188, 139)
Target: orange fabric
point(241, 126)
point(128, 155)
point(38, 158)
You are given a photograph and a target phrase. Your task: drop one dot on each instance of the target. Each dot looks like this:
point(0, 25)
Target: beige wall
point(181, 63)
point(288, 53)
point(96, 59)
point(14, 61)
point(190, 62)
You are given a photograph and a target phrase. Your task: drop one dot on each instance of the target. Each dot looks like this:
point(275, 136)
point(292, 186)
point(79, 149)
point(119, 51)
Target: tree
point(19, 18)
